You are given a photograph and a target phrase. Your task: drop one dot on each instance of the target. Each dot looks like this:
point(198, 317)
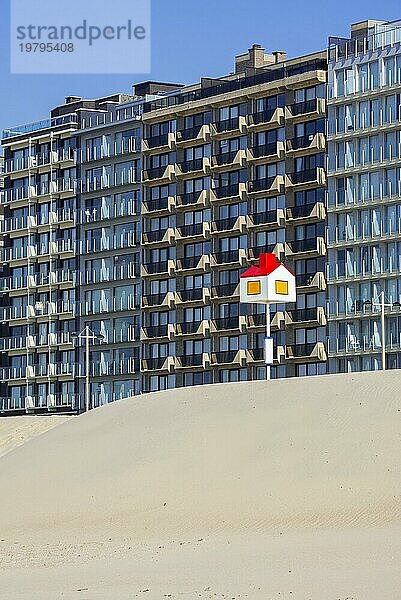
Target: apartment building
point(234, 167)
point(364, 194)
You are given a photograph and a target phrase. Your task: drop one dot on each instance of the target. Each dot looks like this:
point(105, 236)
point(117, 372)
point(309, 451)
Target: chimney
point(268, 262)
point(279, 56)
point(255, 58)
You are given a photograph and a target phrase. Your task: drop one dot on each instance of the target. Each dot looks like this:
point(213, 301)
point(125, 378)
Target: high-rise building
point(364, 191)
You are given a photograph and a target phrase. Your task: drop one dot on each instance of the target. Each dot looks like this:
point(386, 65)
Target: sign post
point(268, 283)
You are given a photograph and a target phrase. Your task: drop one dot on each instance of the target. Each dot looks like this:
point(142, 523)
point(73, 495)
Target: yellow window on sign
point(253, 288)
point(282, 287)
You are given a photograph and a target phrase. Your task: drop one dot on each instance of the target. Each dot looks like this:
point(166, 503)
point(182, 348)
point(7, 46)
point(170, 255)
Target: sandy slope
point(15, 431)
point(283, 490)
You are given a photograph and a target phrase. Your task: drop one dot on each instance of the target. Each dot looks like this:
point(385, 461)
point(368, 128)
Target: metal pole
point(383, 333)
point(87, 386)
point(268, 368)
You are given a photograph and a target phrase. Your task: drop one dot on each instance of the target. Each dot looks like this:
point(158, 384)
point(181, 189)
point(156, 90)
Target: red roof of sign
point(267, 264)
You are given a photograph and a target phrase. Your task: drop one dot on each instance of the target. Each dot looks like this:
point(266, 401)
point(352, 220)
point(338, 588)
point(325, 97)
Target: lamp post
point(382, 305)
point(87, 334)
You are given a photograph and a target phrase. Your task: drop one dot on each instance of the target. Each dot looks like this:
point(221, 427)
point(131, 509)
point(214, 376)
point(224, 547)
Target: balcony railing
point(157, 331)
point(258, 185)
point(227, 191)
point(192, 165)
point(227, 124)
point(264, 150)
point(227, 323)
point(304, 314)
point(265, 218)
point(191, 295)
point(225, 224)
point(230, 256)
point(263, 116)
point(191, 230)
point(225, 290)
point(71, 119)
point(191, 360)
point(225, 357)
point(190, 133)
point(157, 204)
point(304, 176)
point(188, 327)
point(300, 108)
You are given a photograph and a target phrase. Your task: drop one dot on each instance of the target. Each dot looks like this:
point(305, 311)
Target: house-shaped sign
point(270, 282)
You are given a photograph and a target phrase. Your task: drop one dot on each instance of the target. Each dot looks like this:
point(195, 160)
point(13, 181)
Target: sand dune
point(16, 431)
point(287, 489)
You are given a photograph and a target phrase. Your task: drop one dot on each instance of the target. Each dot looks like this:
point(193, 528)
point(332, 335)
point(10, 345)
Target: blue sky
point(190, 39)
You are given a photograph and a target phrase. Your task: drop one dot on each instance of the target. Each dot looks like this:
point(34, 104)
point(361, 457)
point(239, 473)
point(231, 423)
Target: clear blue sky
point(190, 39)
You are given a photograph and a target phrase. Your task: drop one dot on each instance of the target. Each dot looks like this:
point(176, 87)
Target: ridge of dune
point(16, 431)
point(305, 472)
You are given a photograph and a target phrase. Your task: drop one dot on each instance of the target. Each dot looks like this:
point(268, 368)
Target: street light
point(382, 305)
point(87, 334)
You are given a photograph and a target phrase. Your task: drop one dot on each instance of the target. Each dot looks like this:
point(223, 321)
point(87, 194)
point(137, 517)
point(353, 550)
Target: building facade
point(364, 201)
point(132, 218)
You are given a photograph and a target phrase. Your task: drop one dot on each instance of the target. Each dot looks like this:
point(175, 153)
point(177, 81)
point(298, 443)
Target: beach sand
point(288, 489)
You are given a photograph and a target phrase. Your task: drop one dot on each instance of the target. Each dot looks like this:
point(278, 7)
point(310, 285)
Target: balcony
point(159, 236)
point(316, 107)
point(314, 352)
point(195, 230)
point(308, 178)
point(195, 296)
point(266, 119)
point(229, 358)
point(199, 134)
point(307, 213)
point(197, 199)
point(255, 251)
point(229, 160)
point(233, 192)
point(229, 127)
point(165, 141)
point(165, 364)
point(30, 404)
point(258, 321)
point(193, 329)
point(192, 168)
point(237, 224)
point(230, 257)
point(158, 332)
point(193, 263)
point(306, 144)
point(159, 205)
point(268, 185)
point(311, 282)
point(159, 175)
point(193, 361)
point(229, 324)
point(306, 248)
point(269, 219)
point(65, 122)
point(306, 317)
point(163, 267)
point(18, 195)
point(157, 301)
point(266, 153)
point(227, 290)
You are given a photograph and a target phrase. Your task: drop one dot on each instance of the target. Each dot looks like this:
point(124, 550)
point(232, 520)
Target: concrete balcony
point(268, 119)
point(158, 301)
point(229, 358)
point(306, 179)
point(229, 257)
point(228, 325)
point(266, 153)
point(193, 231)
point(309, 109)
point(228, 127)
point(266, 186)
point(232, 224)
point(198, 296)
point(193, 361)
point(158, 332)
point(256, 356)
point(159, 143)
point(193, 329)
point(307, 213)
point(258, 321)
point(193, 264)
point(311, 282)
point(306, 317)
point(30, 404)
point(200, 199)
point(159, 175)
point(306, 144)
point(193, 135)
point(255, 251)
point(271, 219)
point(198, 167)
point(158, 206)
point(160, 365)
point(315, 352)
point(224, 291)
point(231, 193)
point(164, 237)
point(310, 248)
point(229, 161)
